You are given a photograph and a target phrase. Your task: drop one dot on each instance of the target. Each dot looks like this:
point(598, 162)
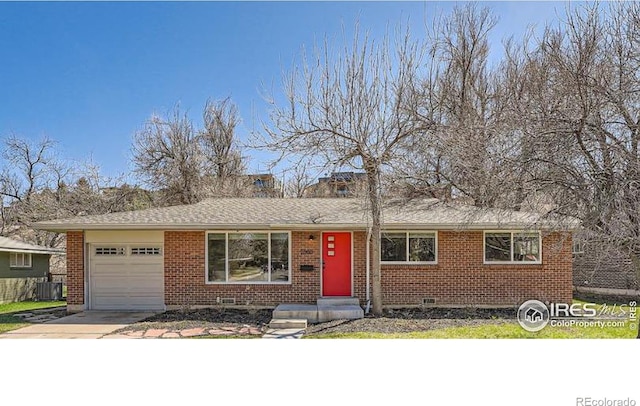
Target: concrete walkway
point(284, 333)
point(102, 324)
point(91, 324)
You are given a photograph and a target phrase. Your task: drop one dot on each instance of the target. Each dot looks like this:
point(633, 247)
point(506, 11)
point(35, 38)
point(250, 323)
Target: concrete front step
point(338, 301)
point(296, 311)
point(339, 312)
point(283, 324)
point(326, 310)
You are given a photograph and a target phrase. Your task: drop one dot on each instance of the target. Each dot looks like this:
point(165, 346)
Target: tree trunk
point(375, 211)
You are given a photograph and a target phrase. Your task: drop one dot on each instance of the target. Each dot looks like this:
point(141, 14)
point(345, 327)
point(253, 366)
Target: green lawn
point(10, 322)
point(510, 330)
point(502, 330)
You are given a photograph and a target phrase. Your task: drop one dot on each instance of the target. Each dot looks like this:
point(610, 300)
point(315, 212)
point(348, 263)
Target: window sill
point(407, 263)
point(513, 263)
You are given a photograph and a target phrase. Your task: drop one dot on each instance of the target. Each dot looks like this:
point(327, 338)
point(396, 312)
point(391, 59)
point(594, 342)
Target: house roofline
point(34, 251)
point(310, 226)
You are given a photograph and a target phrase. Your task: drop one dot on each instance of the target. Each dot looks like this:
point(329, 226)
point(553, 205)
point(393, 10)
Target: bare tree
point(185, 165)
point(167, 156)
point(474, 148)
point(222, 157)
point(37, 184)
point(27, 185)
point(297, 182)
point(348, 109)
point(579, 106)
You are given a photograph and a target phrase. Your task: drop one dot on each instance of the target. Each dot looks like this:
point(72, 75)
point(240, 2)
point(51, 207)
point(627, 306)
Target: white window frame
point(226, 259)
point(26, 263)
point(407, 262)
point(577, 247)
point(513, 233)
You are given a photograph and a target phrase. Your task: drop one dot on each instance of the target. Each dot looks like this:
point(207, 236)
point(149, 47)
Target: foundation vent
point(228, 300)
point(429, 301)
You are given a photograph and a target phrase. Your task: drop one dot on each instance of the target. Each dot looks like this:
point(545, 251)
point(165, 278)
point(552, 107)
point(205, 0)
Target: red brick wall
point(461, 278)
point(75, 267)
point(184, 266)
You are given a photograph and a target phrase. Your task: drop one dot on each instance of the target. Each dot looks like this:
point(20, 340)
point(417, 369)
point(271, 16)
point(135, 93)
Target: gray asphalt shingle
point(305, 213)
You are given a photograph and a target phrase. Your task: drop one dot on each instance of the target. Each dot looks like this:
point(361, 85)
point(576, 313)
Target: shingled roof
point(287, 213)
point(11, 245)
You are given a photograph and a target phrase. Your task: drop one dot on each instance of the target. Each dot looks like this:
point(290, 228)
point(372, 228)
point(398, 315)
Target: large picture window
point(251, 257)
point(512, 246)
point(408, 247)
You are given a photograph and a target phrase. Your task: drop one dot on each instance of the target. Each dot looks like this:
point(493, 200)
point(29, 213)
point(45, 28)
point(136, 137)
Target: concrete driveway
point(90, 324)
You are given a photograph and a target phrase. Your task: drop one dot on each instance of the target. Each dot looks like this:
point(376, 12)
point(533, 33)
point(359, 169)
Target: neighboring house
point(338, 184)
point(22, 265)
point(596, 265)
point(263, 185)
point(263, 252)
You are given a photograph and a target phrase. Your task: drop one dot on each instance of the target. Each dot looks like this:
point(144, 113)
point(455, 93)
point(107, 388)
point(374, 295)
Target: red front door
point(336, 264)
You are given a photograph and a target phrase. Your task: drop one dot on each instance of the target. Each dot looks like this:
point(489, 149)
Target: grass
point(502, 330)
point(508, 330)
point(10, 322)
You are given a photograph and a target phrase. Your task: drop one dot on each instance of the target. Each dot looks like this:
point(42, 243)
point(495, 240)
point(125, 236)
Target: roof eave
point(304, 226)
point(34, 251)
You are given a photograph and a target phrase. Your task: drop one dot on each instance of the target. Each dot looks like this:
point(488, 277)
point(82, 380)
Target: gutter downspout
point(368, 267)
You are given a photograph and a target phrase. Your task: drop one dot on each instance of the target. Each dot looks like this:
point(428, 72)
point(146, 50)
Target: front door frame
point(322, 260)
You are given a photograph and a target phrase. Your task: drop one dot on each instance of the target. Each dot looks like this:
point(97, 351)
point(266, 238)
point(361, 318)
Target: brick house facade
point(460, 276)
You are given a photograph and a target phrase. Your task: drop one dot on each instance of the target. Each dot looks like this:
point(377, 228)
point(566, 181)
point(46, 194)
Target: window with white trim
point(251, 257)
point(512, 246)
point(20, 260)
point(408, 247)
point(577, 247)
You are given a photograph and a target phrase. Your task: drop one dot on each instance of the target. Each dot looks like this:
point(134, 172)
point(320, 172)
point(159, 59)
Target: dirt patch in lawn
point(416, 319)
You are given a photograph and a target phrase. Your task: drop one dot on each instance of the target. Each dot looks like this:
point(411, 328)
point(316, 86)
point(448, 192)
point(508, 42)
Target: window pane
point(422, 247)
point(497, 247)
point(393, 247)
point(216, 258)
point(526, 247)
point(14, 259)
point(248, 257)
point(279, 257)
point(27, 260)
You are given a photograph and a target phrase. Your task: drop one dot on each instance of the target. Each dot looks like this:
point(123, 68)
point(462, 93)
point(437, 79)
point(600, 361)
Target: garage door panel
point(126, 282)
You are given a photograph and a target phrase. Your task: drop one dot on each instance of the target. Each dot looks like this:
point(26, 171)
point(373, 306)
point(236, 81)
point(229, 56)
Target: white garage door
point(126, 277)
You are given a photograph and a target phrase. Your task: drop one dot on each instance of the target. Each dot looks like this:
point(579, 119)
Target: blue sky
point(89, 74)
